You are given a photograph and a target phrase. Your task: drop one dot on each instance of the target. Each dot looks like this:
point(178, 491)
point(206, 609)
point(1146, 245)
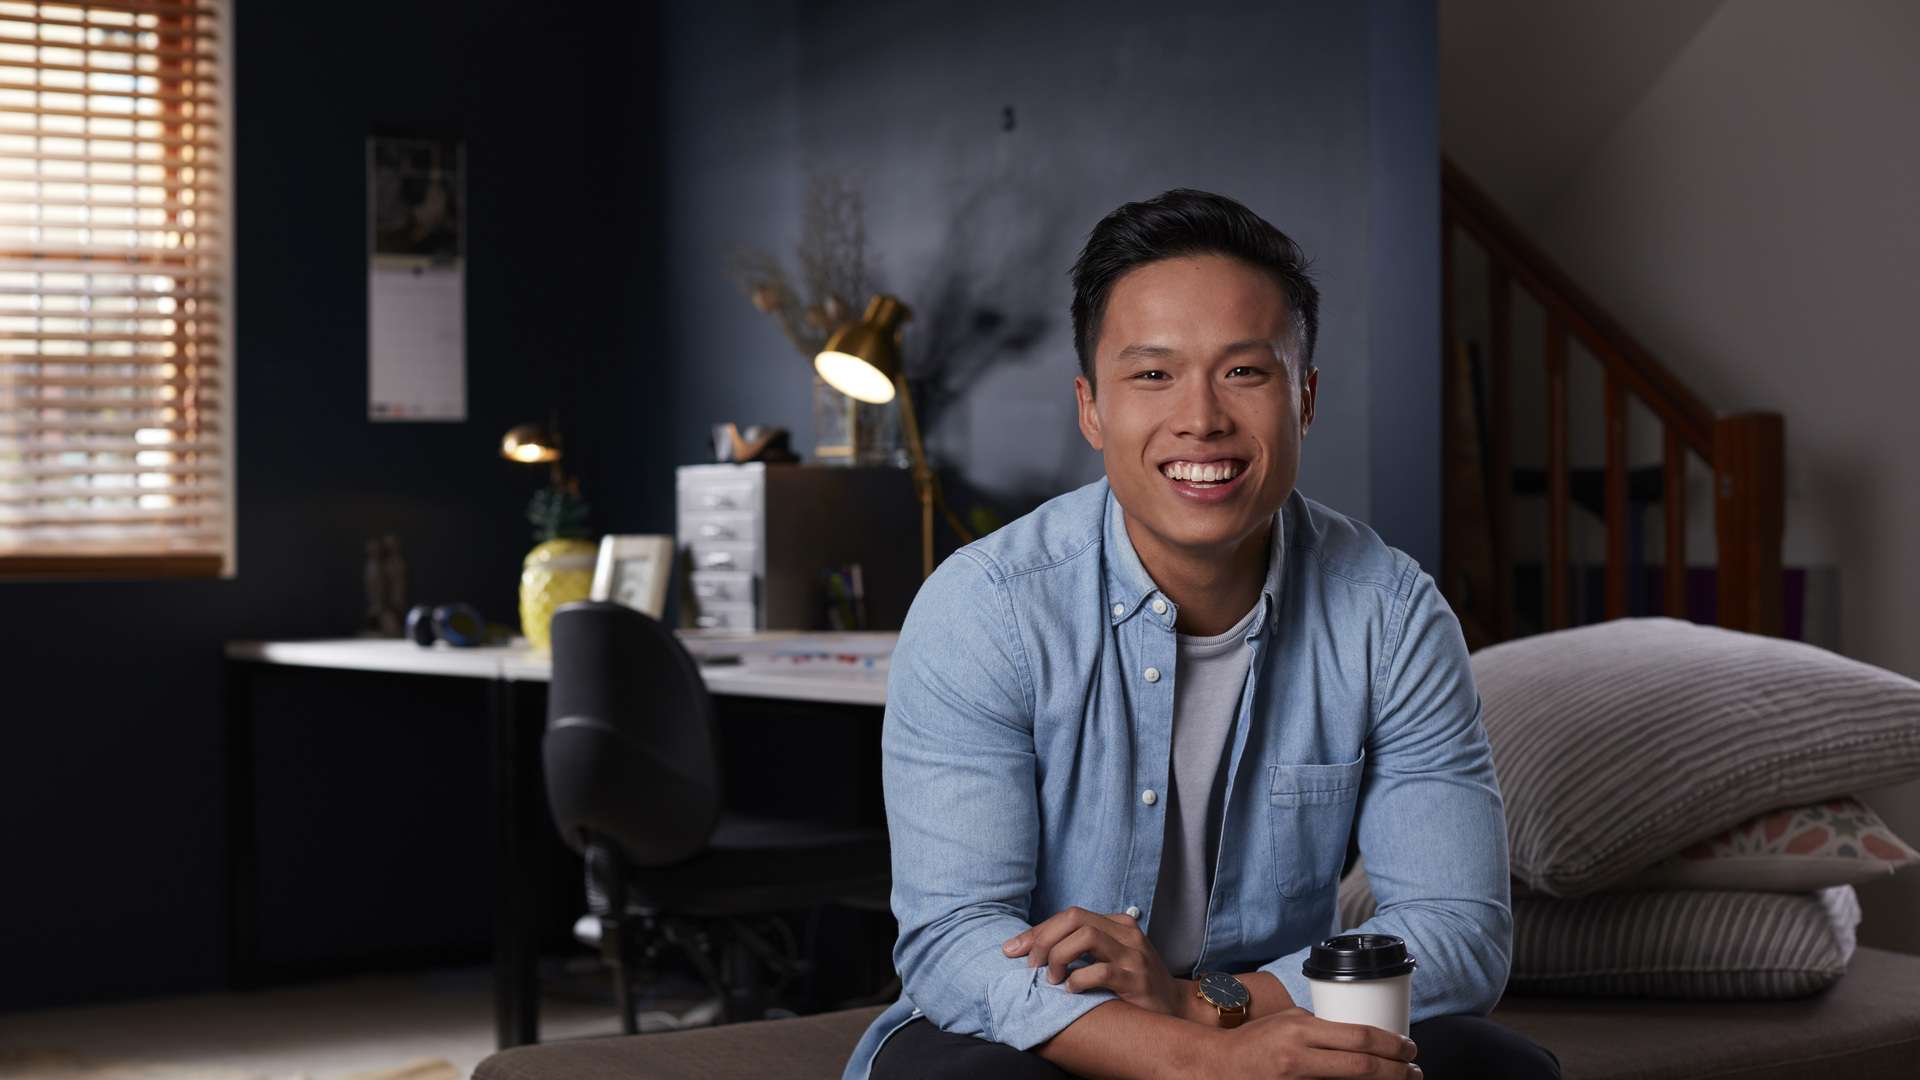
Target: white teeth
point(1211, 473)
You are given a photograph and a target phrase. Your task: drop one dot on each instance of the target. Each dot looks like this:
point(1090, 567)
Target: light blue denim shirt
point(1030, 711)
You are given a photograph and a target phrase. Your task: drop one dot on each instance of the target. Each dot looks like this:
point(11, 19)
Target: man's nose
point(1200, 412)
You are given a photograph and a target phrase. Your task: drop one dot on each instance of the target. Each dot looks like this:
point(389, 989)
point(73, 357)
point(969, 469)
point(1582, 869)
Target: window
point(116, 389)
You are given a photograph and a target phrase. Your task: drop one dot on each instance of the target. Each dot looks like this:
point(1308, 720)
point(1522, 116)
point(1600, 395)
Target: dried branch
point(833, 267)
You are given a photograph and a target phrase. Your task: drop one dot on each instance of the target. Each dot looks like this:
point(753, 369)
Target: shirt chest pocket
point(1310, 812)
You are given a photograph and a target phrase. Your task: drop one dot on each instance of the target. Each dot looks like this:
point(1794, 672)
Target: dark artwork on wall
point(416, 196)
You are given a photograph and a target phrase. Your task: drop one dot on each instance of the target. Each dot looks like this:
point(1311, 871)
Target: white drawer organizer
point(755, 541)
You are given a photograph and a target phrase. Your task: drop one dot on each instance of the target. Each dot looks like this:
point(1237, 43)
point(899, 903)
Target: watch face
point(1224, 991)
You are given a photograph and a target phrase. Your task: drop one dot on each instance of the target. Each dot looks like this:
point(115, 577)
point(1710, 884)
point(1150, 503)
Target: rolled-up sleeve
point(1431, 826)
point(963, 812)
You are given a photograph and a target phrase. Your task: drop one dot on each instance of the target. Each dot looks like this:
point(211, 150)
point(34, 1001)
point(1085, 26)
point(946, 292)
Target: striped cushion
point(1685, 944)
point(1679, 944)
point(1621, 743)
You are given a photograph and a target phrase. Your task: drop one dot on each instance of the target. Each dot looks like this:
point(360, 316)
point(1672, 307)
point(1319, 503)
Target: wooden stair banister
point(1746, 451)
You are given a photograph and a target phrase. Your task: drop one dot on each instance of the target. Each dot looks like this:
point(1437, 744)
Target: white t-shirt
point(1210, 674)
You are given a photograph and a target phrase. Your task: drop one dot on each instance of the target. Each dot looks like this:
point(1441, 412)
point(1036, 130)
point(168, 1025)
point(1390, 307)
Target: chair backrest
point(629, 749)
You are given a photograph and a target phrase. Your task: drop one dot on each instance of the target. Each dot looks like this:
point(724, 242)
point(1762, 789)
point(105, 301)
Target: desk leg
point(516, 987)
point(242, 868)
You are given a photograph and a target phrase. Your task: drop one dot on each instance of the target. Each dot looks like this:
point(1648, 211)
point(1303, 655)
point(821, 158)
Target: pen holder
point(846, 598)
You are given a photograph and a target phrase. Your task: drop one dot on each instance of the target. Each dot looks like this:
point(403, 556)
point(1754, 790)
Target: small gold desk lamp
point(532, 444)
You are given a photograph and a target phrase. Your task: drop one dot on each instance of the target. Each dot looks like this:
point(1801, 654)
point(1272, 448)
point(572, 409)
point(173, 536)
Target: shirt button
point(1119, 610)
point(1132, 912)
point(1152, 674)
point(1149, 797)
point(1159, 606)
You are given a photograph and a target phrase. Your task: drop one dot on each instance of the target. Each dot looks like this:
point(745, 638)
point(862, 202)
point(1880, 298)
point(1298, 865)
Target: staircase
point(1744, 451)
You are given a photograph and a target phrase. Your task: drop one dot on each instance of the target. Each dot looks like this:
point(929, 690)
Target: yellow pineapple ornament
point(559, 570)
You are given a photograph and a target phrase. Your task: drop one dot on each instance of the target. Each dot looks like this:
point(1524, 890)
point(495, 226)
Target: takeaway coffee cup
point(1361, 979)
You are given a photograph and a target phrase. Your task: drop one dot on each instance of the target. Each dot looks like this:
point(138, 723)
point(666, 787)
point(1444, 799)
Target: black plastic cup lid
point(1357, 957)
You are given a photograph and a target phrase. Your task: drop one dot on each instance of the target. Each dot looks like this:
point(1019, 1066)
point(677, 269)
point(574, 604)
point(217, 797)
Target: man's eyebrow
point(1254, 344)
point(1139, 351)
point(1144, 352)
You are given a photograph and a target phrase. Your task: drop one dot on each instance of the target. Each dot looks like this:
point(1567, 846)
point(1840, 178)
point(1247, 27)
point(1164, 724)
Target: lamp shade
point(530, 443)
point(862, 358)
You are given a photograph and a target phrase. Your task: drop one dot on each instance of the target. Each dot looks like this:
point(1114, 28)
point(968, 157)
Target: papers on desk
point(843, 669)
point(794, 651)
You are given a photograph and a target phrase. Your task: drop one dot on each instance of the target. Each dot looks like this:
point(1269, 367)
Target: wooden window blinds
point(115, 310)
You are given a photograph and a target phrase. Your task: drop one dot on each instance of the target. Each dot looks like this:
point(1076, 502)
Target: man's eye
point(1243, 370)
point(1152, 376)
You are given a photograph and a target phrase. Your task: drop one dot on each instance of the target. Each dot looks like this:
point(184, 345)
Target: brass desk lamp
point(862, 361)
point(532, 444)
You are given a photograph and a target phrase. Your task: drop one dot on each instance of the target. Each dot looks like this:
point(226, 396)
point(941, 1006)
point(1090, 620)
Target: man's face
point(1198, 414)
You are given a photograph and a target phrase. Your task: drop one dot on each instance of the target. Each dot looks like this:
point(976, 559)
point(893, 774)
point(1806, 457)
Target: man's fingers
point(1360, 1038)
point(1087, 939)
point(1127, 927)
point(1095, 977)
point(1037, 944)
point(1068, 949)
point(1047, 936)
point(1049, 929)
point(1342, 1063)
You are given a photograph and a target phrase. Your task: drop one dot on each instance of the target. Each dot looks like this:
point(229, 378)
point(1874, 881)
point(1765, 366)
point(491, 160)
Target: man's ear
point(1089, 415)
point(1308, 390)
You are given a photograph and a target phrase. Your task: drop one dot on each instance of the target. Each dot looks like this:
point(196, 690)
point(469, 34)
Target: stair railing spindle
point(1673, 495)
point(1749, 499)
point(1558, 615)
point(1500, 390)
point(1616, 491)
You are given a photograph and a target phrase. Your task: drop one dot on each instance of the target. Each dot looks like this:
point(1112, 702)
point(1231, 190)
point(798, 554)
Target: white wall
point(1755, 220)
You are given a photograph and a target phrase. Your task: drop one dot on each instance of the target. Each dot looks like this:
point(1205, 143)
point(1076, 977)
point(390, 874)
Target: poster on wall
point(416, 280)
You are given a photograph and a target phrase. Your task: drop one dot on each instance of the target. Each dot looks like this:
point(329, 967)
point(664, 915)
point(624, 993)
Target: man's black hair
point(1188, 222)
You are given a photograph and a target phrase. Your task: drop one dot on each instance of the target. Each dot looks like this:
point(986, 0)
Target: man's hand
point(1295, 1043)
point(1124, 961)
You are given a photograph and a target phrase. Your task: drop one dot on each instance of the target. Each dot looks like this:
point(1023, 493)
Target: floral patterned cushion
point(1798, 849)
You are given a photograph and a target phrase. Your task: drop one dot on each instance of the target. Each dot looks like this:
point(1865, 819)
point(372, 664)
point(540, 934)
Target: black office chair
point(634, 784)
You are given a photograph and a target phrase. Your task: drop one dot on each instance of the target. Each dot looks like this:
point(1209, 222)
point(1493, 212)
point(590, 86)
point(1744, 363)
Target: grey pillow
point(1676, 944)
point(1621, 743)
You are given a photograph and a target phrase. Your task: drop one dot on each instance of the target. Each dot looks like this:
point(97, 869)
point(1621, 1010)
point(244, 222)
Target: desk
point(516, 762)
point(520, 663)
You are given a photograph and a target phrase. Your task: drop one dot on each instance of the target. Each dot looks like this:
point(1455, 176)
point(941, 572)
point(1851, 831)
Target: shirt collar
point(1130, 589)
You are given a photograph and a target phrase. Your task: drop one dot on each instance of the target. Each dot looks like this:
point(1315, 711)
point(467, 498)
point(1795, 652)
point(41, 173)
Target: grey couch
point(1867, 1027)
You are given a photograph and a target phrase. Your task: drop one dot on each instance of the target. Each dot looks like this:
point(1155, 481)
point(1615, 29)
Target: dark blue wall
point(614, 164)
point(1403, 267)
point(1319, 116)
point(110, 771)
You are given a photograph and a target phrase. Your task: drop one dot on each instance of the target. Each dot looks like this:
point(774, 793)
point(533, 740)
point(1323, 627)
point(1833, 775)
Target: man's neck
point(1213, 589)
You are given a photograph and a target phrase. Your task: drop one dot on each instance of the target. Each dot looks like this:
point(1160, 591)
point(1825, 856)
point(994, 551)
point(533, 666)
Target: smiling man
point(1130, 736)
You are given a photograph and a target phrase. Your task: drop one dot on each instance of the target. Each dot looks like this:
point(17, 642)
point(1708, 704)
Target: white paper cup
point(1361, 979)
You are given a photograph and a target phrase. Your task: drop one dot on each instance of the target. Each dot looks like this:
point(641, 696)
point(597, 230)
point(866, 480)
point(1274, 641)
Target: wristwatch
point(1225, 993)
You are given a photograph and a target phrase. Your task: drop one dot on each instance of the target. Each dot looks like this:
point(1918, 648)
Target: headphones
point(459, 625)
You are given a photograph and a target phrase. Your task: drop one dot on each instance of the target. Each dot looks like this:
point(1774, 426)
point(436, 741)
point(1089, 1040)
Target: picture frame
point(634, 570)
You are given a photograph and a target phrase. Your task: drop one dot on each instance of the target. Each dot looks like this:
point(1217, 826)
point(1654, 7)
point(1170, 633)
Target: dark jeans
point(1451, 1048)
